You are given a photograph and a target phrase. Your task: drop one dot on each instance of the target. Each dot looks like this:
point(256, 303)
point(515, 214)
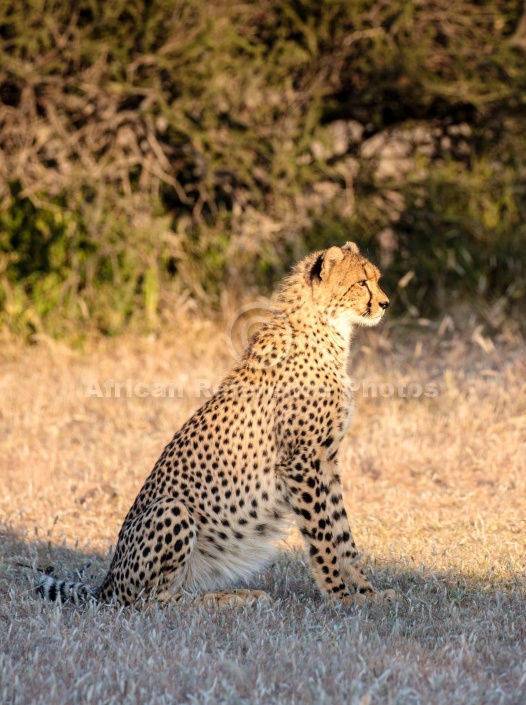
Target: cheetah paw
point(387, 596)
point(359, 598)
point(233, 598)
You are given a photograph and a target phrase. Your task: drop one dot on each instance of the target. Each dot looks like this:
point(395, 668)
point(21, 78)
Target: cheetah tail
point(56, 590)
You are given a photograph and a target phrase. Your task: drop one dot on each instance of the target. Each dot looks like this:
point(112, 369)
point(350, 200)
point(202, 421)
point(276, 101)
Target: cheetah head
point(345, 288)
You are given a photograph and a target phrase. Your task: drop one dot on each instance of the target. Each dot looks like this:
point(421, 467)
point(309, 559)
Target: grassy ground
point(435, 489)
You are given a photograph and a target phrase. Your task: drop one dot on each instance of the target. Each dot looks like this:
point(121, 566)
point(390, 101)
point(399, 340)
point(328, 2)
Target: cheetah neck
point(296, 307)
point(342, 330)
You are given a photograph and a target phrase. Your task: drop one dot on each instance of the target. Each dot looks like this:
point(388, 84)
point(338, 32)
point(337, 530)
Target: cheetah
point(263, 449)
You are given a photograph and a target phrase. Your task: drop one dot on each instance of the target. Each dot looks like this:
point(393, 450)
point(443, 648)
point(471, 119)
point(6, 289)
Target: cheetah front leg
point(345, 547)
point(316, 499)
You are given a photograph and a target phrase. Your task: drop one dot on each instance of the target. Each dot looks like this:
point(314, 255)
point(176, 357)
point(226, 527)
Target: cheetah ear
point(352, 247)
point(330, 258)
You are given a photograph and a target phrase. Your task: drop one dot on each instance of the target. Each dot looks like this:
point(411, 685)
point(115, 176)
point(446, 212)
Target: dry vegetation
point(435, 489)
point(152, 150)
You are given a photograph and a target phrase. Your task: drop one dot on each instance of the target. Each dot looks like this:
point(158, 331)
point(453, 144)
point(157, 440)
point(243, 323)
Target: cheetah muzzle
point(262, 449)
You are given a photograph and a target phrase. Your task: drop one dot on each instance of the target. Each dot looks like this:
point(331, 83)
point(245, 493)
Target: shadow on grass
point(286, 576)
point(450, 638)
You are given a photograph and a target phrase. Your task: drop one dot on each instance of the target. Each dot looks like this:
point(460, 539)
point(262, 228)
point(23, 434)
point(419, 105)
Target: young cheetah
point(263, 446)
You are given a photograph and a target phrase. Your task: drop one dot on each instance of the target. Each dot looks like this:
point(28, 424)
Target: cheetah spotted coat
point(262, 449)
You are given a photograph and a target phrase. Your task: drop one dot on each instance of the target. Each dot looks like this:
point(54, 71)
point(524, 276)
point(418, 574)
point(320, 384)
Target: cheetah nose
point(384, 304)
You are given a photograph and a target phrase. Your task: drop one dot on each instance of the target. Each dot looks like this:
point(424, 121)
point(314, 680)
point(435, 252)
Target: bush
point(155, 147)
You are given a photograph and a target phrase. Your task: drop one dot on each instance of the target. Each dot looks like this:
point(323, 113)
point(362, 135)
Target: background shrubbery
point(153, 151)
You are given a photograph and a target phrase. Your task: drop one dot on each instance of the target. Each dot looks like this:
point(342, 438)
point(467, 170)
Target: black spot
point(52, 592)
point(343, 538)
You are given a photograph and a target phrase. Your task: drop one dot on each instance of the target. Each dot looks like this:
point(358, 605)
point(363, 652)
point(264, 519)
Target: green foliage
point(151, 146)
point(462, 234)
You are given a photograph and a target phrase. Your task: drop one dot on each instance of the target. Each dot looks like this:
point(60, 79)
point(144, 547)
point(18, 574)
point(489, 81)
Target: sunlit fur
point(262, 449)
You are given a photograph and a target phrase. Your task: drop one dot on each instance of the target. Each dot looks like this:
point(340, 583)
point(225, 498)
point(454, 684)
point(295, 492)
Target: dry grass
point(435, 492)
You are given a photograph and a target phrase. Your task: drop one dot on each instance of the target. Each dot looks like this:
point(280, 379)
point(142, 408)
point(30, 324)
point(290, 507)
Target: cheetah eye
point(363, 282)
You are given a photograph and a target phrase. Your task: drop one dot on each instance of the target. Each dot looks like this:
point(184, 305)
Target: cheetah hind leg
point(151, 557)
